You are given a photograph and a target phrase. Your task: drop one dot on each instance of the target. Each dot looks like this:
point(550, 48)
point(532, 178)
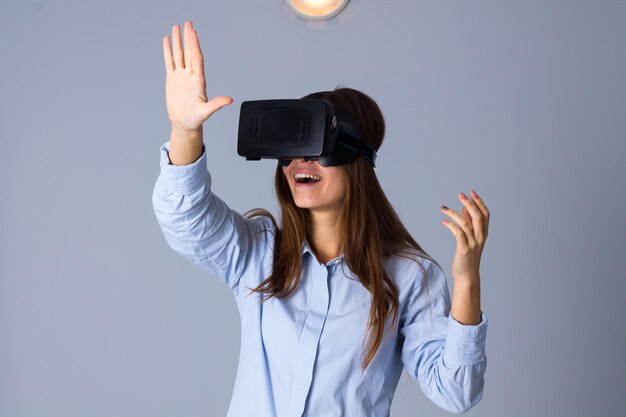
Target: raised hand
point(470, 230)
point(185, 85)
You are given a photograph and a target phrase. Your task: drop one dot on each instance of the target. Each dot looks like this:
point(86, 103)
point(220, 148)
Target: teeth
point(302, 176)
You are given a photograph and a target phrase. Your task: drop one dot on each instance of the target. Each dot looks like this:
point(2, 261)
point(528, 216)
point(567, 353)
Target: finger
point(187, 54)
point(167, 54)
point(215, 104)
point(468, 218)
point(197, 61)
point(461, 239)
point(463, 224)
point(475, 216)
point(483, 208)
point(178, 49)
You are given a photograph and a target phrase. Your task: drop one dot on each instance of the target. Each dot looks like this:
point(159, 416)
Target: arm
point(466, 302)
point(200, 226)
point(195, 222)
point(446, 357)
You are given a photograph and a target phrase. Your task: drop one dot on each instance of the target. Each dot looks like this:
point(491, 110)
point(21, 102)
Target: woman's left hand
point(470, 231)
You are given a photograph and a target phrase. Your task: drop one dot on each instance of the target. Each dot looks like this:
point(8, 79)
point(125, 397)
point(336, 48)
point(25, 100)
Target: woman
point(338, 300)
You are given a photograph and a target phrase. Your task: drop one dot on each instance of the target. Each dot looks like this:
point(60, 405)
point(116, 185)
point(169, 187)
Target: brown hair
point(370, 229)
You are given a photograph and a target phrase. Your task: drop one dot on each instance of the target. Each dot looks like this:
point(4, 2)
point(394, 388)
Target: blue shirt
point(301, 355)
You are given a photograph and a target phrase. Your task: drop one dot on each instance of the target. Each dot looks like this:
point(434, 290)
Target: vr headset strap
point(350, 141)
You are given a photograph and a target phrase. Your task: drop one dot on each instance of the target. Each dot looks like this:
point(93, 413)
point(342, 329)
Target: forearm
point(185, 146)
point(466, 302)
point(444, 351)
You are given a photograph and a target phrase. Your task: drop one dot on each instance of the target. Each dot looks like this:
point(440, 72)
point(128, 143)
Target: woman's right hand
point(185, 86)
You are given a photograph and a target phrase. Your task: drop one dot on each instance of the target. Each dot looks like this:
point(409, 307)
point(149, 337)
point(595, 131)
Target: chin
point(303, 204)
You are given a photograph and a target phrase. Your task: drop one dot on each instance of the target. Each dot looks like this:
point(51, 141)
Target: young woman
point(340, 298)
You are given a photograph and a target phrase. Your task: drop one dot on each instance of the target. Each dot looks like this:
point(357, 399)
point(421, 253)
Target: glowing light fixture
point(317, 9)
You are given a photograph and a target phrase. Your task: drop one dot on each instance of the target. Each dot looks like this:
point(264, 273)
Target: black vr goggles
point(308, 129)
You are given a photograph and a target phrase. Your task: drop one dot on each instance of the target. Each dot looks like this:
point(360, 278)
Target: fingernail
point(463, 196)
point(474, 194)
point(444, 208)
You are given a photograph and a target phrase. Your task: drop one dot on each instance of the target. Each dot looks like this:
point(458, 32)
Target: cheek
point(339, 186)
point(343, 191)
point(285, 174)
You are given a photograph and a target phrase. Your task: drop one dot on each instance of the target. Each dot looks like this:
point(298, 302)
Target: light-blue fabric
point(302, 355)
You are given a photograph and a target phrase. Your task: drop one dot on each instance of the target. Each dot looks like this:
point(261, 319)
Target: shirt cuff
point(465, 344)
point(183, 179)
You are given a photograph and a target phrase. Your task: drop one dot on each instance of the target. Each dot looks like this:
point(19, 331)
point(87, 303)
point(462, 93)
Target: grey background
point(522, 101)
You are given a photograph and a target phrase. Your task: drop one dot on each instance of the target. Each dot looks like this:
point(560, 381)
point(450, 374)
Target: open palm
point(185, 85)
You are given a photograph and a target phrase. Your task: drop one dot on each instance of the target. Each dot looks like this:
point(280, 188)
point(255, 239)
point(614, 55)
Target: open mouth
point(306, 178)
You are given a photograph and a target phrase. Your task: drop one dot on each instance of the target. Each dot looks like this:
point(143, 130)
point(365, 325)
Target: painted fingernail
point(474, 194)
point(463, 196)
point(444, 208)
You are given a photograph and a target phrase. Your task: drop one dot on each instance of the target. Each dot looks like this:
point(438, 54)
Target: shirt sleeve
point(446, 357)
point(200, 226)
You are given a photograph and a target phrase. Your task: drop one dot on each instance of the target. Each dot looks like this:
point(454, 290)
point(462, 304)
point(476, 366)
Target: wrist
point(185, 146)
point(186, 135)
point(469, 281)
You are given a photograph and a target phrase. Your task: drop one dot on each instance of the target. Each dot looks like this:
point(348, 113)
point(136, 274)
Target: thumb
point(214, 105)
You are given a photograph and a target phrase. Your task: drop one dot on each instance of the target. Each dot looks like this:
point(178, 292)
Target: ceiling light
point(317, 9)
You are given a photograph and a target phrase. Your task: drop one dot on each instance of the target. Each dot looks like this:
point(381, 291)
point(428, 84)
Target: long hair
point(370, 229)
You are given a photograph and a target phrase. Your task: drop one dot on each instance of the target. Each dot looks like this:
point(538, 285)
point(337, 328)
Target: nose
point(301, 159)
point(298, 159)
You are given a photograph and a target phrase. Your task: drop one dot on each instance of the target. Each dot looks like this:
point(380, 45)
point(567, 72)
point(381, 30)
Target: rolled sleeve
point(446, 357)
point(465, 344)
point(183, 179)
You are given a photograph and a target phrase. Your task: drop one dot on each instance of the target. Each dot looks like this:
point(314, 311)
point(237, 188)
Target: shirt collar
point(306, 247)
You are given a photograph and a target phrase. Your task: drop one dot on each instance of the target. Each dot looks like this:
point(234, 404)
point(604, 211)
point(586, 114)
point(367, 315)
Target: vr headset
point(308, 129)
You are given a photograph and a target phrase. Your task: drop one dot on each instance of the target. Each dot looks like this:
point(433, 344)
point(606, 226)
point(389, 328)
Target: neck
point(323, 235)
